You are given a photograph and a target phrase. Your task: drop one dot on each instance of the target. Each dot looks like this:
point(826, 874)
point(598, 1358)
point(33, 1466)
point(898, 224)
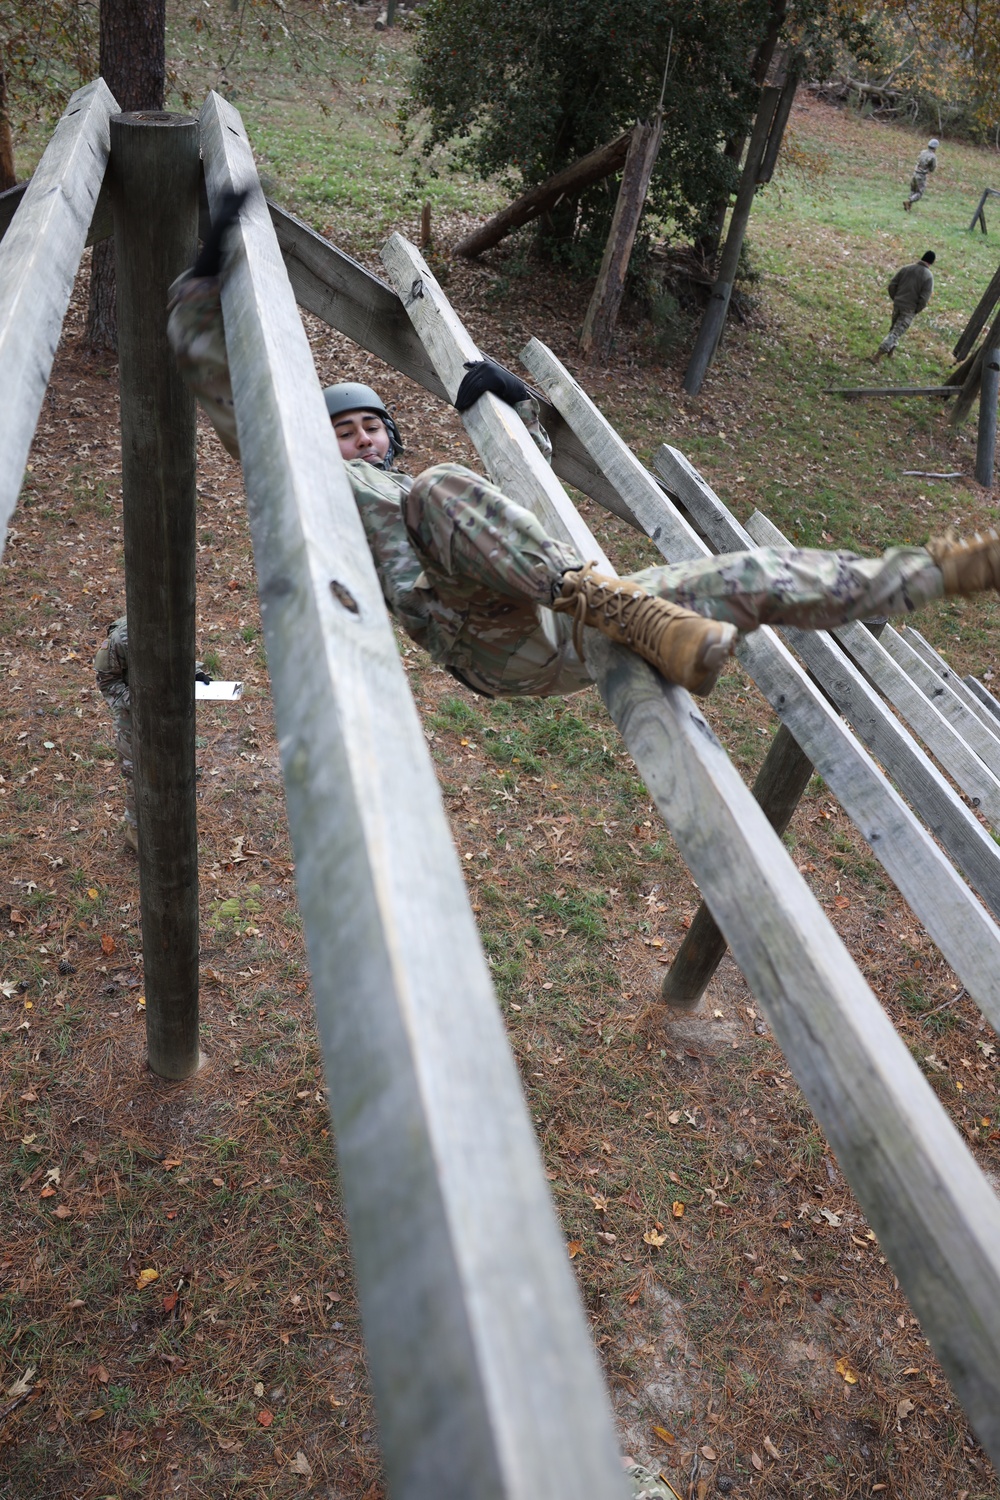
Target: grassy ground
point(730, 1278)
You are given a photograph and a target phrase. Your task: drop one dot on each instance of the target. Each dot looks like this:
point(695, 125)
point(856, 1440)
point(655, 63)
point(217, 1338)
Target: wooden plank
point(986, 435)
point(537, 200)
point(349, 298)
point(984, 695)
point(925, 651)
point(156, 169)
point(969, 389)
point(965, 719)
point(964, 932)
point(39, 255)
point(485, 1379)
point(602, 310)
point(929, 1203)
point(945, 743)
point(921, 783)
point(977, 322)
point(101, 225)
point(890, 390)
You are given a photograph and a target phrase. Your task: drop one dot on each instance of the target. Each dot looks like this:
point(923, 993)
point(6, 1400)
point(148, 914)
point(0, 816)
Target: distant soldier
point(926, 163)
point(910, 290)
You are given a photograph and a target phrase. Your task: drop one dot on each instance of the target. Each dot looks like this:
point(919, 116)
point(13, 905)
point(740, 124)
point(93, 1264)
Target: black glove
point(485, 376)
point(209, 262)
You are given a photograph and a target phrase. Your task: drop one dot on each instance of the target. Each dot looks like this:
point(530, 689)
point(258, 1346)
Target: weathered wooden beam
point(894, 1141)
point(567, 183)
point(714, 317)
point(980, 214)
point(890, 390)
point(925, 788)
point(602, 311)
point(328, 283)
point(485, 1380)
point(977, 322)
point(986, 435)
point(955, 919)
point(779, 122)
point(969, 389)
point(39, 256)
point(946, 744)
point(985, 697)
point(933, 659)
point(778, 787)
point(155, 169)
point(945, 691)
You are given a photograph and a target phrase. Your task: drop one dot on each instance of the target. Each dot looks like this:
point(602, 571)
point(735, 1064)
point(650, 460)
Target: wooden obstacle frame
point(484, 1376)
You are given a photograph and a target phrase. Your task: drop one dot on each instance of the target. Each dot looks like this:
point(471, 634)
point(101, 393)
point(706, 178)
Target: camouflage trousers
point(918, 186)
point(490, 571)
point(111, 667)
point(901, 320)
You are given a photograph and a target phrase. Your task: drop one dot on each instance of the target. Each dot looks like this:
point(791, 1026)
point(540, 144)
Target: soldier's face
point(361, 434)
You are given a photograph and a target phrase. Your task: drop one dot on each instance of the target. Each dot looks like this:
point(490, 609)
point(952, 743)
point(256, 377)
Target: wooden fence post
point(602, 313)
point(984, 309)
point(714, 319)
point(970, 385)
point(986, 437)
point(155, 166)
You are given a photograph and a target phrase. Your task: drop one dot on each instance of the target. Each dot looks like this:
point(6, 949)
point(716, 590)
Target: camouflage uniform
point(469, 573)
point(926, 163)
point(111, 666)
point(646, 1484)
point(910, 290)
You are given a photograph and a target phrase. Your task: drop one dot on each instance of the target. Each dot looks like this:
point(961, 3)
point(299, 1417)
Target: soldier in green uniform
point(910, 290)
point(926, 164)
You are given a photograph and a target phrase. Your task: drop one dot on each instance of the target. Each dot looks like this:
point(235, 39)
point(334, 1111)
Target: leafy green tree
point(45, 51)
point(526, 86)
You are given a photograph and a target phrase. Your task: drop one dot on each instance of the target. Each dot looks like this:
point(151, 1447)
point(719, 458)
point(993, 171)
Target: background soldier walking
point(910, 290)
point(926, 163)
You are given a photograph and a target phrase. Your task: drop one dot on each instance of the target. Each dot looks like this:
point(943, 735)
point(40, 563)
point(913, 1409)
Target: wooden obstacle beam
point(960, 927)
point(945, 692)
point(979, 217)
point(970, 846)
point(984, 696)
point(986, 435)
point(977, 322)
point(941, 670)
point(827, 1042)
point(156, 171)
point(485, 1379)
point(889, 390)
point(39, 256)
point(602, 310)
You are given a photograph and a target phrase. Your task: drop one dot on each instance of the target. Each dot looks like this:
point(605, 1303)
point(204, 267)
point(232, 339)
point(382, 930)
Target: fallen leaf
point(677, 1209)
point(93, 893)
point(96, 1414)
point(98, 1372)
point(652, 1238)
point(170, 1301)
point(830, 1217)
point(756, 1460)
point(265, 1417)
point(574, 1247)
point(146, 1278)
point(664, 1435)
point(218, 1182)
point(170, 1162)
point(709, 1453)
point(62, 1212)
point(29, 1097)
point(770, 1448)
point(18, 917)
point(843, 1367)
point(229, 1445)
point(22, 1386)
point(48, 1191)
point(52, 1175)
point(258, 1389)
point(300, 1465)
point(903, 1408)
point(675, 1117)
point(841, 902)
point(107, 943)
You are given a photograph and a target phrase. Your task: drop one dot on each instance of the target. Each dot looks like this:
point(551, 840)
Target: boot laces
point(642, 619)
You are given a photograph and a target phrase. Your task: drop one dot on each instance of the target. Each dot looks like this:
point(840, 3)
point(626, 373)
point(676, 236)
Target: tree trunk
point(134, 67)
point(8, 177)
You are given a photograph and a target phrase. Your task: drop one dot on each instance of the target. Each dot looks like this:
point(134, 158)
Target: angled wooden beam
point(39, 256)
point(958, 685)
point(890, 390)
point(985, 697)
point(485, 1379)
point(602, 310)
point(931, 1206)
point(976, 324)
point(925, 788)
point(945, 691)
point(964, 932)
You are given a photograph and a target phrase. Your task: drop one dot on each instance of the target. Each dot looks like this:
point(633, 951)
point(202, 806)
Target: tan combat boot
point(968, 567)
point(683, 647)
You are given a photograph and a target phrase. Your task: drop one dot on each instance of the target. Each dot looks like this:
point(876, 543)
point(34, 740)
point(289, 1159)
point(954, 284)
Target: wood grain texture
point(945, 743)
point(958, 685)
point(485, 1379)
point(39, 255)
point(963, 931)
point(349, 298)
point(943, 691)
point(892, 1138)
point(927, 791)
point(985, 697)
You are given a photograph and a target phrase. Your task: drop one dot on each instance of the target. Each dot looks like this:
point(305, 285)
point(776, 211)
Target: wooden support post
point(570, 182)
point(714, 319)
point(780, 783)
point(979, 217)
point(155, 167)
point(853, 392)
point(779, 123)
point(984, 309)
point(969, 389)
point(599, 324)
point(39, 256)
point(425, 226)
point(986, 437)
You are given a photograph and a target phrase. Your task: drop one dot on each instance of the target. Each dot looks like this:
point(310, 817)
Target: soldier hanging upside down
point(472, 576)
